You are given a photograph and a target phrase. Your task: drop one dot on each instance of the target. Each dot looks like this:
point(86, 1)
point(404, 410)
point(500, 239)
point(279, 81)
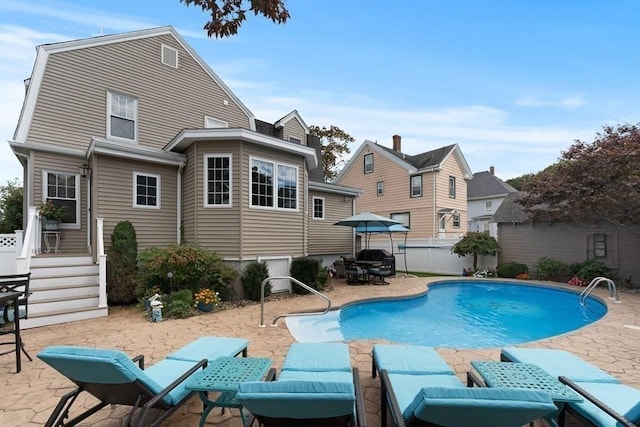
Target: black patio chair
point(14, 282)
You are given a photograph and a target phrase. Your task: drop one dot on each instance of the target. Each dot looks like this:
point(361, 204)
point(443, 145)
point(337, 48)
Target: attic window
point(295, 140)
point(169, 56)
point(210, 122)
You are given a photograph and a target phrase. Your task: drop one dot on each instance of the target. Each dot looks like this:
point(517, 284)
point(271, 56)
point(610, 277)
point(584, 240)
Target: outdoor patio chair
point(607, 401)
point(317, 387)
point(356, 275)
point(420, 389)
point(14, 282)
point(111, 377)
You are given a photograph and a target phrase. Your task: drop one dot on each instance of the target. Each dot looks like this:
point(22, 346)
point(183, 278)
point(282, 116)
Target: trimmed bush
point(252, 277)
point(511, 270)
point(551, 269)
point(121, 265)
point(309, 271)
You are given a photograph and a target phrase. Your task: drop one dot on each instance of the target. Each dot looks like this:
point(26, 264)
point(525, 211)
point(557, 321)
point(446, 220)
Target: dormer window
point(122, 116)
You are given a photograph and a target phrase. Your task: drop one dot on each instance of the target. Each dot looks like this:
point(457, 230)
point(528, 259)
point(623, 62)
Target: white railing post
point(102, 264)
point(23, 260)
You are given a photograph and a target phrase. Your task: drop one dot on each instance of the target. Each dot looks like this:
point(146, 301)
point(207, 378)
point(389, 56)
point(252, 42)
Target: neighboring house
point(137, 127)
point(427, 192)
point(524, 241)
point(485, 193)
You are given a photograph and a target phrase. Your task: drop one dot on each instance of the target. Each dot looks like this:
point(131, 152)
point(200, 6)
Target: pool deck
point(29, 397)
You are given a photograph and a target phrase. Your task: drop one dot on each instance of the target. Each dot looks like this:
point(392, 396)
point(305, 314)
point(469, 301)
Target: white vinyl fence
point(10, 248)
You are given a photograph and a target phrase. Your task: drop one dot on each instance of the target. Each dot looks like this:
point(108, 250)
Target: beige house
point(137, 127)
point(427, 192)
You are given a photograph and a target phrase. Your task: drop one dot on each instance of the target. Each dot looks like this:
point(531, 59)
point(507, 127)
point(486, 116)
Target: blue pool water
point(466, 314)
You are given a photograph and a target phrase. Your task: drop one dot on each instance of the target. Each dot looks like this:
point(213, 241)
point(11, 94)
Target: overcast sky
point(512, 82)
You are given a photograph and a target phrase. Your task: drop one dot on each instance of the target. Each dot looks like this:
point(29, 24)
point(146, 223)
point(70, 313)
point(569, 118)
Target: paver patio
point(29, 397)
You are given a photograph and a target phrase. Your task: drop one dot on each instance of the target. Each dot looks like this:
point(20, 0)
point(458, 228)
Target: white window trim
point(205, 170)
point(453, 220)
point(135, 118)
point(162, 50)
point(366, 156)
point(275, 185)
point(45, 183)
point(452, 179)
point(135, 190)
point(313, 207)
point(380, 188)
point(411, 186)
point(488, 206)
point(208, 119)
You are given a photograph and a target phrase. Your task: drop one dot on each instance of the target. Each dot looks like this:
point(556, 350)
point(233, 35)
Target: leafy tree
point(334, 145)
point(476, 243)
point(591, 182)
point(11, 207)
point(227, 15)
point(520, 182)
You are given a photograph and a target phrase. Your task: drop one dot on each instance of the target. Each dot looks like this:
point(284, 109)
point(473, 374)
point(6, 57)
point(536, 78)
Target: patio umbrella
point(395, 228)
point(366, 220)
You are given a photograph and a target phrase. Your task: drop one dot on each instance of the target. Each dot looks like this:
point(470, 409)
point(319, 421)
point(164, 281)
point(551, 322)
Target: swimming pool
point(456, 314)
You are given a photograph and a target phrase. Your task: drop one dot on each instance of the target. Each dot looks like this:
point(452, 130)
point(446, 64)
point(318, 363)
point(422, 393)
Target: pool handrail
point(613, 292)
point(299, 283)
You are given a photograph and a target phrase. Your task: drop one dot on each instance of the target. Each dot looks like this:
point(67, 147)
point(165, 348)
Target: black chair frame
point(15, 282)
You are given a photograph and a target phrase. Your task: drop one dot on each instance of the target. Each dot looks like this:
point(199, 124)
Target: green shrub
point(309, 271)
point(121, 265)
point(252, 277)
point(551, 269)
point(179, 304)
point(511, 269)
point(187, 266)
point(590, 269)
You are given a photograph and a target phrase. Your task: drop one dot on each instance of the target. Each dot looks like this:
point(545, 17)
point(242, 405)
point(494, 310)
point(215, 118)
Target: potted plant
point(52, 215)
point(206, 299)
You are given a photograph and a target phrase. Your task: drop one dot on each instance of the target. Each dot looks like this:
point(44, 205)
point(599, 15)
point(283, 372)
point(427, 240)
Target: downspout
point(436, 225)
point(179, 202)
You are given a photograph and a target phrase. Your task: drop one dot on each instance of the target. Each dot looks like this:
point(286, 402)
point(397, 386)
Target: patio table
point(224, 375)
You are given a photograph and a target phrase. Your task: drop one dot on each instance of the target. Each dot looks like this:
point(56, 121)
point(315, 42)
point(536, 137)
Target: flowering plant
point(51, 211)
point(207, 296)
point(523, 276)
point(484, 273)
point(576, 281)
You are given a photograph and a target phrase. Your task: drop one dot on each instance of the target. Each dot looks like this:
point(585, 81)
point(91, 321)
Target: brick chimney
point(397, 143)
point(492, 170)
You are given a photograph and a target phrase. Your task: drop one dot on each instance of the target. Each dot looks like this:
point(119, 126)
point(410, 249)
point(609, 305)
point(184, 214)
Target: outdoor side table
point(56, 235)
point(527, 376)
point(224, 375)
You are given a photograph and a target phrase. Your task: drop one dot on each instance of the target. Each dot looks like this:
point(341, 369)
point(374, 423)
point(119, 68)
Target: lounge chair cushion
point(495, 407)
point(330, 376)
point(318, 357)
point(107, 366)
point(559, 362)
point(210, 348)
point(623, 399)
point(406, 387)
point(297, 399)
point(409, 359)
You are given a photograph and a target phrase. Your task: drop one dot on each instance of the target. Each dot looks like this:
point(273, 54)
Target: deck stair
point(63, 289)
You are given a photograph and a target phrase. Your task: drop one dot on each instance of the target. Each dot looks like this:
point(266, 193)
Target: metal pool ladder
point(613, 292)
point(299, 283)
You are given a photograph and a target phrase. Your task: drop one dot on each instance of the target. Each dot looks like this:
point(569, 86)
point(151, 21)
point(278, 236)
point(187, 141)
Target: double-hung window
point(455, 219)
point(318, 208)
point(368, 163)
point(452, 187)
point(380, 188)
point(416, 186)
point(217, 178)
point(488, 206)
point(122, 116)
point(273, 185)
point(61, 190)
point(147, 190)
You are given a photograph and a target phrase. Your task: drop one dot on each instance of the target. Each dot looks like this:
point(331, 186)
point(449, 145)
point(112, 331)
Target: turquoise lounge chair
point(420, 389)
point(109, 375)
point(317, 387)
point(607, 402)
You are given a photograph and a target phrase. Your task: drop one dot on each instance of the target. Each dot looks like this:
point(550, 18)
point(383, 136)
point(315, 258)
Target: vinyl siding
point(450, 167)
point(218, 228)
point(72, 240)
point(396, 197)
point(71, 106)
point(293, 128)
point(115, 186)
point(270, 232)
point(324, 237)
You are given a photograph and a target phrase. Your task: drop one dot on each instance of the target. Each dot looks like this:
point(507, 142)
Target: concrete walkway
point(29, 397)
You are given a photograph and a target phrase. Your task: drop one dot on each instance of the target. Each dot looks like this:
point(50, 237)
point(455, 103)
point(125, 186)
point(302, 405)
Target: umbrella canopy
point(366, 220)
point(395, 228)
